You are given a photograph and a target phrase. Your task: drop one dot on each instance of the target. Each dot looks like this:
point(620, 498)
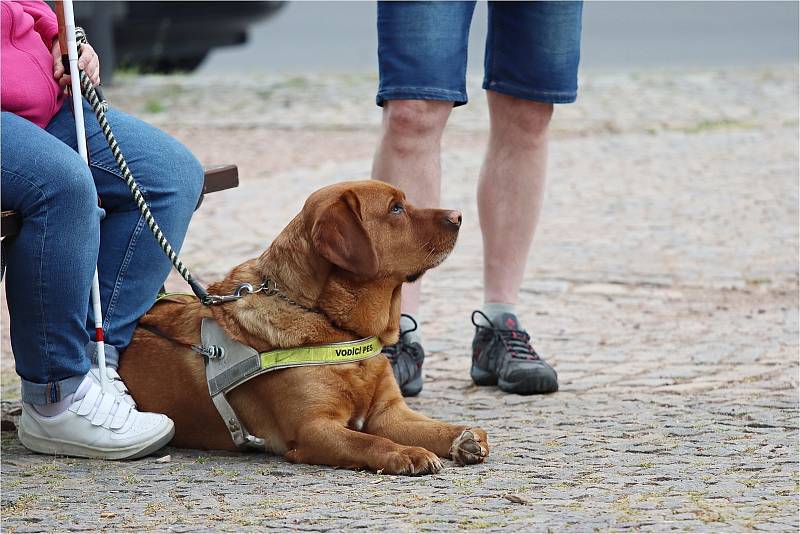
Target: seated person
point(65, 234)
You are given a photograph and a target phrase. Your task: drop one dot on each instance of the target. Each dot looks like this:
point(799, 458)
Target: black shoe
point(504, 356)
point(406, 359)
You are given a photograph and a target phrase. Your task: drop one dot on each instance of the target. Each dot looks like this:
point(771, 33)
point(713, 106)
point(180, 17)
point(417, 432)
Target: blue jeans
point(532, 50)
point(64, 235)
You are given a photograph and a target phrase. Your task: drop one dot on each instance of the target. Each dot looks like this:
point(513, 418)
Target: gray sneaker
point(504, 356)
point(406, 359)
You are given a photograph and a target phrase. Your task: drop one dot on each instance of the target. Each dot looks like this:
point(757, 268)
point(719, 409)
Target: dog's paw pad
point(471, 447)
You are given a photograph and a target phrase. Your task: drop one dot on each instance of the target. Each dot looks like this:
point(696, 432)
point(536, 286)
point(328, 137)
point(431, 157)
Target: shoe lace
point(516, 342)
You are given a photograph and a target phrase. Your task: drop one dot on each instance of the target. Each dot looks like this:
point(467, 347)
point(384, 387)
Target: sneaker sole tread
point(51, 446)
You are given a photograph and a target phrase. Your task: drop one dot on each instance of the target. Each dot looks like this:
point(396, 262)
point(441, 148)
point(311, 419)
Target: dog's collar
point(230, 364)
point(269, 288)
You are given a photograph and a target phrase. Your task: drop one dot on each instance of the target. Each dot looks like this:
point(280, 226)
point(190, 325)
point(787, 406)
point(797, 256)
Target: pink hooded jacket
point(27, 86)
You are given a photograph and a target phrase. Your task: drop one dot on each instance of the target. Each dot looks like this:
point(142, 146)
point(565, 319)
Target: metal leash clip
point(241, 291)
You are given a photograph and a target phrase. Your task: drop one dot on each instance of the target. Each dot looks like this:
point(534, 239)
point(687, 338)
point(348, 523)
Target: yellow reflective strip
point(334, 353)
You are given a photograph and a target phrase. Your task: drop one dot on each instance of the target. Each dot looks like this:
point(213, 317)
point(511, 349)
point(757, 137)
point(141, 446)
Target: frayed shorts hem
point(458, 98)
point(549, 97)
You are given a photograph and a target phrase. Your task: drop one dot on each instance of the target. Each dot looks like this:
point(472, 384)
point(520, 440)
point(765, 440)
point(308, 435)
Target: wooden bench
point(217, 178)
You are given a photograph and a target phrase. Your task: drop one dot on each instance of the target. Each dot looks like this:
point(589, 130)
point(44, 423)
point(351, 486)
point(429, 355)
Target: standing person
point(531, 63)
point(64, 235)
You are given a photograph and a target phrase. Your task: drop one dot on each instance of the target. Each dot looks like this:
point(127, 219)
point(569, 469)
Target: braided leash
point(99, 107)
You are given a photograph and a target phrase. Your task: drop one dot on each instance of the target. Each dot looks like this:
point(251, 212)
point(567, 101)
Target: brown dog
point(344, 259)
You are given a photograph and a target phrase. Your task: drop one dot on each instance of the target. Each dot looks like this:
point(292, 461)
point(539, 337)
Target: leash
point(99, 106)
point(91, 96)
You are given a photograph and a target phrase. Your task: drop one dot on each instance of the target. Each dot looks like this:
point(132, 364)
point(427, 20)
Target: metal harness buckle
point(222, 377)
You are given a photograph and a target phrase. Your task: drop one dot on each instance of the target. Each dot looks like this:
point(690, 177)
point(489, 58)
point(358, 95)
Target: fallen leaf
point(516, 499)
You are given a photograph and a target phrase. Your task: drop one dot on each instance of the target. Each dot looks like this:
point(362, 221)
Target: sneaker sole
point(413, 388)
point(531, 386)
point(44, 445)
point(481, 377)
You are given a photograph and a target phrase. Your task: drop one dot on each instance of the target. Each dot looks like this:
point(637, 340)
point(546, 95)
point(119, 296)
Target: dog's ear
point(340, 237)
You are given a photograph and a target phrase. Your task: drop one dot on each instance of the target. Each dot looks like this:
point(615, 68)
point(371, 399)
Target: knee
point(184, 180)
point(524, 121)
point(532, 120)
point(535, 117)
point(420, 121)
point(193, 177)
point(72, 188)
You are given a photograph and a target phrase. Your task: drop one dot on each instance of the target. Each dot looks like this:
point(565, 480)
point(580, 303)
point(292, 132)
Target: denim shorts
point(532, 50)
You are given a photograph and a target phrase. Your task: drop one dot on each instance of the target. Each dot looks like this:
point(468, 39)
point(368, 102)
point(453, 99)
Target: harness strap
point(237, 363)
point(229, 364)
point(159, 333)
point(239, 434)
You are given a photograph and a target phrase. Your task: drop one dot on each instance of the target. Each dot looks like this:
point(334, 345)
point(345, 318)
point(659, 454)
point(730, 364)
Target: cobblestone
point(663, 286)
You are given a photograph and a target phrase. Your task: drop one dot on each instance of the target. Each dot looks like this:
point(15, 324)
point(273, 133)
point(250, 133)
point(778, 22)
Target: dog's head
point(367, 228)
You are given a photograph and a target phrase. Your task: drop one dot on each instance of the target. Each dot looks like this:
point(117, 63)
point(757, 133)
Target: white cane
point(66, 24)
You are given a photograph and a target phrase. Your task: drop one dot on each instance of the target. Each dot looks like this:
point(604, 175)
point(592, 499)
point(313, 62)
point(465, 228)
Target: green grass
point(154, 106)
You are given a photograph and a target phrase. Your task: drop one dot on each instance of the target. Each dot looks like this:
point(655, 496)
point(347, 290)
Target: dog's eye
point(397, 208)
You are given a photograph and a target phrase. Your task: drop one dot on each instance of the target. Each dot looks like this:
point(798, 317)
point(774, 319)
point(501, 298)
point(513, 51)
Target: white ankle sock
point(55, 408)
point(408, 324)
point(494, 310)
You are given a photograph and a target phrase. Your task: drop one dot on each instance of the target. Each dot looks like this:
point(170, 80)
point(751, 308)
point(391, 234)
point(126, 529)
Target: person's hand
point(88, 61)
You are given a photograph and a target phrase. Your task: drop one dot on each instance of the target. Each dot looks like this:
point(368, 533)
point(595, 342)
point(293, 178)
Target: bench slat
point(221, 177)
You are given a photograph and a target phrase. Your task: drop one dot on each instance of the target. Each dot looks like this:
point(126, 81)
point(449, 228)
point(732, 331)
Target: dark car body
point(166, 36)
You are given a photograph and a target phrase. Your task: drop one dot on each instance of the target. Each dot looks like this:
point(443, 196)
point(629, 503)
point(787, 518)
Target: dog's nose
point(454, 218)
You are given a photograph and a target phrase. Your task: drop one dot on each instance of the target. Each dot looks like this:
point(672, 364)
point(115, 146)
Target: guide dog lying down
point(339, 265)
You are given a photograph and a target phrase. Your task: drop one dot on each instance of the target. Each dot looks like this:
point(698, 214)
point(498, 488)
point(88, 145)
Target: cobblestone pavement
point(663, 286)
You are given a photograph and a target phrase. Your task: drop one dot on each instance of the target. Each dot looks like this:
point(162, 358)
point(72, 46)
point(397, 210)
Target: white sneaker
point(99, 425)
point(116, 382)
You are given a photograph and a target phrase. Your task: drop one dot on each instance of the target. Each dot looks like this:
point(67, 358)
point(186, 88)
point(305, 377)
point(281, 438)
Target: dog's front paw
point(412, 461)
point(471, 447)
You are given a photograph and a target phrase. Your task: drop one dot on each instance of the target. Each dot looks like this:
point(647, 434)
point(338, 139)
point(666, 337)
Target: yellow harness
point(345, 352)
point(229, 364)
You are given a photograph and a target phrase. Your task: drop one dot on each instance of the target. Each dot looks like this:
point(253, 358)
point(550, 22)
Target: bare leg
point(409, 157)
point(510, 191)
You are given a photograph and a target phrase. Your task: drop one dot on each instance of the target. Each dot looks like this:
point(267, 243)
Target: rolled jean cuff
point(112, 356)
point(34, 393)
